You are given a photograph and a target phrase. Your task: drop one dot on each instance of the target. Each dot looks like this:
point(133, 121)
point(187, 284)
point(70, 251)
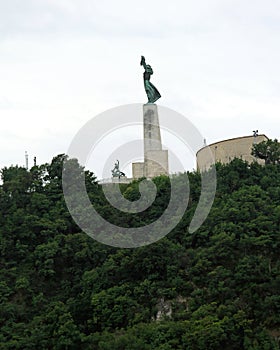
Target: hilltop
point(217, 288)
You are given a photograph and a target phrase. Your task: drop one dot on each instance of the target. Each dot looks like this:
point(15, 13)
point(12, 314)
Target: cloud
point(111, 18)
point(5, 103)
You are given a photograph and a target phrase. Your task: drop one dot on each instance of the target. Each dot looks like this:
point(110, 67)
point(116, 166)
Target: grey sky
point(64, 61)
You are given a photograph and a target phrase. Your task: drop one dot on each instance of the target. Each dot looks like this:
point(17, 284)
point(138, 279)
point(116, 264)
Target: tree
point(62, 290)
point(268, 150)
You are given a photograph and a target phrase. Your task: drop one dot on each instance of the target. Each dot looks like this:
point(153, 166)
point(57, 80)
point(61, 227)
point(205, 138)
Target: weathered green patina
point(151, 91)
point(116, 171)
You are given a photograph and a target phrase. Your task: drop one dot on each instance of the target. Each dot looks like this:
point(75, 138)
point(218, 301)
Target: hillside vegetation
point(218, 288)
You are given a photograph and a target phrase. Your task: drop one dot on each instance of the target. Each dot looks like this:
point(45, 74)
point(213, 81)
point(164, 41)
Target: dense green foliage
point(219, 287)
point(268, 150)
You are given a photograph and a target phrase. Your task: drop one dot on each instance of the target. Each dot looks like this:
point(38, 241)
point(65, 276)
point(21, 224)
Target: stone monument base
point(156, 163)
point(138, 170)
point(119, 180)
point(155, 158)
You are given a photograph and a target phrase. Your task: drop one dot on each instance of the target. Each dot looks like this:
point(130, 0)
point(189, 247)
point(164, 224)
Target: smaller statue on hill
point(116, 171)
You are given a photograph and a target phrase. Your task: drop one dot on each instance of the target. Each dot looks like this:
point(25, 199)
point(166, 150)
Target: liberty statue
point(151, 90)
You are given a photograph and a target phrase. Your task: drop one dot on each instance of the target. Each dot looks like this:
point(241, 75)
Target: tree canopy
point(268, 150)
point(217, 288)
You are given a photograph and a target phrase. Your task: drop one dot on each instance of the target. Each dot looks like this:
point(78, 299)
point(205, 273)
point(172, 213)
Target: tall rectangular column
point(155, 159)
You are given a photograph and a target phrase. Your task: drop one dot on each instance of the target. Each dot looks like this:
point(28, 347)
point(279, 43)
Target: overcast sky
point(64, 61)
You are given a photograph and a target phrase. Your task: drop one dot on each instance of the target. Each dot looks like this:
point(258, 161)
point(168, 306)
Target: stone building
point(226, 150)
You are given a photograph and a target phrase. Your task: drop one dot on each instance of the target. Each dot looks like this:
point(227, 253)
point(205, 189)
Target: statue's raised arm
point(143, 62)
point(151, 91)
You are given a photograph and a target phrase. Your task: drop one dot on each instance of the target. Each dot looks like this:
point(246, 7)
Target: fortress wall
point(226, 150)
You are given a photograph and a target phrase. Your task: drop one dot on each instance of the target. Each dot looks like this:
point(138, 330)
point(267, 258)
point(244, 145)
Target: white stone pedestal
point(155, 158)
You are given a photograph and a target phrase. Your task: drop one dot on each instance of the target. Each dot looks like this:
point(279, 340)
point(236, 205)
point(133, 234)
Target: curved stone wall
point(226, 150)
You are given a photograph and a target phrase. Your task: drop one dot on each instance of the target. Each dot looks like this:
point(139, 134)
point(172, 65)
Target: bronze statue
point(116, 171)
point(151, 90)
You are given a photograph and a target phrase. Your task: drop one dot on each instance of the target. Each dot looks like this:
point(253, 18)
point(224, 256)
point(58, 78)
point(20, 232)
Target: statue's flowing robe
point(151, 90)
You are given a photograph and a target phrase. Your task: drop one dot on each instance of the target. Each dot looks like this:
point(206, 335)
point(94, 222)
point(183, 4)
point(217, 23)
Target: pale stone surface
point(164, 309)
point(226, 150)
point(138, 170)
point(152, 137)
point(156, 163)
point(115, 180)
point(121, 179)
point(155, 159)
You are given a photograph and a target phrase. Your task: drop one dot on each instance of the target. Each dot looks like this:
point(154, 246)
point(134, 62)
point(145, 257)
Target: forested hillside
point(218, 288)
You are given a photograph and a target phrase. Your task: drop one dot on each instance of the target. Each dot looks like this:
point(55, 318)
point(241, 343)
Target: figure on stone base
point(151, 90)
point(116, 171)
